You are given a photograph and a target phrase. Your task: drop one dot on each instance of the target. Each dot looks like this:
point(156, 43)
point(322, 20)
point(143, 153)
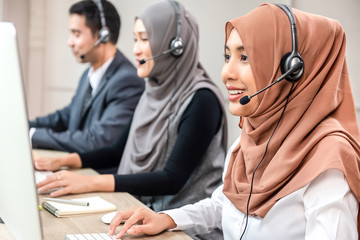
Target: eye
point(244, 58)
point(226, 57)
point(76, 34)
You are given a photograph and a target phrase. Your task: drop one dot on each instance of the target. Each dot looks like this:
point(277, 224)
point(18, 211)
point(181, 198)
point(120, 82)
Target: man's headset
point(291, 64)
point(176, 46)
point(104, 33)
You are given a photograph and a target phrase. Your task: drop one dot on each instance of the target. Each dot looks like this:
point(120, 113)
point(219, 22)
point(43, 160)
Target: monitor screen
point(18, 200)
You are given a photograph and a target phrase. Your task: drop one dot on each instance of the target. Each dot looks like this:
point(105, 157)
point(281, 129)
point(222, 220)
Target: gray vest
point(205, 178)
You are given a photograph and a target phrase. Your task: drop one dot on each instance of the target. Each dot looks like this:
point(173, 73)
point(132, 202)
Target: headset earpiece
point(178, 46)
point(104, 35)
point(287, 62)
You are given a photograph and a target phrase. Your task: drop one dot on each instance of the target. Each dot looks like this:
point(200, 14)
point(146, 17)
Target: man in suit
point(108, 91)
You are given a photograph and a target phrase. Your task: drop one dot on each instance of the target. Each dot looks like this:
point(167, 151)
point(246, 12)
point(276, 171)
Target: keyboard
point(90, 236)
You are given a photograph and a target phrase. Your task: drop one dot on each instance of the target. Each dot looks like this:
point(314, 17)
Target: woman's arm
point(106, 157)
point(199, 123)
point(198, 218)
point(66, 182)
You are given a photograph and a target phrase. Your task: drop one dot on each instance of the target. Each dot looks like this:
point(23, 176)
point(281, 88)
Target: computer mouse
point(108, 217)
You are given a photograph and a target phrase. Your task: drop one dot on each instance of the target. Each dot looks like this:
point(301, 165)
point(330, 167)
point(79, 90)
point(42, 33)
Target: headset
point(291, 64)
point(176, 46)
point(292, 68)
point(290, 59)
point(177, 43)
point(104, 33)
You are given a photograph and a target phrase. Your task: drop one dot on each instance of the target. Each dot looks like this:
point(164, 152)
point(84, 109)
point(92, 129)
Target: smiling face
point(238, 77)
point(142, 49)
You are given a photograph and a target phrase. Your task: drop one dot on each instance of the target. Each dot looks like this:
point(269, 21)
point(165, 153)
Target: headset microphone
point(246, 99)
point(142, 61)
point(82, 56)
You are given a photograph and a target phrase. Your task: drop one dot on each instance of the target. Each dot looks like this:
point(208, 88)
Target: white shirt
point(324, 209)
point(96, 76)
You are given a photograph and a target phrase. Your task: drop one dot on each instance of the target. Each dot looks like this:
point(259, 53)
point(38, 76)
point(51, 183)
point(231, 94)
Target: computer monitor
point(18, 198)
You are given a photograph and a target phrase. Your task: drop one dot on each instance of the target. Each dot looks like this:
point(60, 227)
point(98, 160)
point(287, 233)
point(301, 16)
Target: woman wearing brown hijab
point(294, 172)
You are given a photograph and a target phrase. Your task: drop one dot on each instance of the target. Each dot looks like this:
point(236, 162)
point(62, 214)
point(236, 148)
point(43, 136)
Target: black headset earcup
point(104, 35)
point(287, 62)
point(178, 47)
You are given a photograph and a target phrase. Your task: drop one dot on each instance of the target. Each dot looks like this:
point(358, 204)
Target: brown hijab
point(319, 128)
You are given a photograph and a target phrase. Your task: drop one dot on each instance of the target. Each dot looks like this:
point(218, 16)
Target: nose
point(70, 41)
point(230, 71)
point(136, 48)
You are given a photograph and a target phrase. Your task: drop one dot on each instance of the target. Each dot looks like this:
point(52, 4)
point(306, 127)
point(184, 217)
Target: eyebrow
point(140, 32)
point(240, 48)
point(73, 30)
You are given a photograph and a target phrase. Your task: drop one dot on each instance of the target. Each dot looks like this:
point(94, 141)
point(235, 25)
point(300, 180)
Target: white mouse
point(108, 217)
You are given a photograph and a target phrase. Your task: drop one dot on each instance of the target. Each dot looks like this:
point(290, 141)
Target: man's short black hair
point(92, 17)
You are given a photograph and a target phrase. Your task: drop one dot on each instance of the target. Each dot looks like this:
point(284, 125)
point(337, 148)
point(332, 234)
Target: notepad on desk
point(96, 204)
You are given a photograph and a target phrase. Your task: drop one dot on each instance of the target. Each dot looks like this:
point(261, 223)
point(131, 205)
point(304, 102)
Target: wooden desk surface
point(56, 228)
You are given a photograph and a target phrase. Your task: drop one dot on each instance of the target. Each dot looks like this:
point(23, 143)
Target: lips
point(138, 61)
point(235, 93)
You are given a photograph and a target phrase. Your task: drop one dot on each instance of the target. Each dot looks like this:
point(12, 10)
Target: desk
point(48, 153)
point(56, 228)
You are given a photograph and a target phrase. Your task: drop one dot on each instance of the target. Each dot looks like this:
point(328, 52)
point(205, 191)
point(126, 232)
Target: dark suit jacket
point(110, 109)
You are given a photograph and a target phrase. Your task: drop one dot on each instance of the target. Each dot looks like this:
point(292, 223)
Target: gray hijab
point(168, 85)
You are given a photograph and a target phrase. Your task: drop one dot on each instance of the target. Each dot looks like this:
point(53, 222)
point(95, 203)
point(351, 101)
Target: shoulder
point(205, 97)
point(327, 187)
point(123, 72)
point(203, 105)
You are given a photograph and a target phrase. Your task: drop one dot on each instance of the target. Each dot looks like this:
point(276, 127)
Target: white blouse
point(324, 209)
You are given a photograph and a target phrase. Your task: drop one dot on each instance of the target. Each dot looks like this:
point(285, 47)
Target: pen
point(67, 201)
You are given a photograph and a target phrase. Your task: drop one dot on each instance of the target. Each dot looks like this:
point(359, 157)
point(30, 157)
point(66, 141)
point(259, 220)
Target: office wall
point(16, 11)
point(52, 73)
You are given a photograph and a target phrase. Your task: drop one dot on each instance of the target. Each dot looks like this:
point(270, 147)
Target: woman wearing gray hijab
point(173, 151)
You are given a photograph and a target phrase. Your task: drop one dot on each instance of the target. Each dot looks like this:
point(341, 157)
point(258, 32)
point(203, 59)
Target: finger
point(51, 185)
point(40, 164)
point(117, 219)
point(49, 179)
point(139, 229)
point(52, 181)
point(60, 192)
point(134, 219)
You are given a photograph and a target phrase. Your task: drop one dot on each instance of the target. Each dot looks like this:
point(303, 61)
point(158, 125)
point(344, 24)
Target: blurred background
point(51, 73)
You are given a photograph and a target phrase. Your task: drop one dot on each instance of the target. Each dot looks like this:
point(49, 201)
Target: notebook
point(96, 204)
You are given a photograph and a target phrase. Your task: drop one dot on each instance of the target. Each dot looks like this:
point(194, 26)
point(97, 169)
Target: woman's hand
point(69, 183)
point(140, 220)
point(47, 163)
point(55, 163)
